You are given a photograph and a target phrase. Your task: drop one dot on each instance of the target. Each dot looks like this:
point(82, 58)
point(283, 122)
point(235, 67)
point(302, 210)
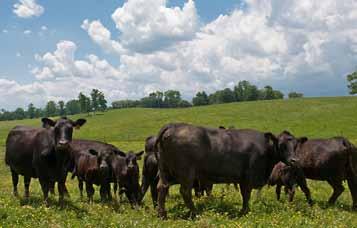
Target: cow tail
point(352, 157)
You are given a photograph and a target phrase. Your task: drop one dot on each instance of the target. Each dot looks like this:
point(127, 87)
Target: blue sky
point(55, 49)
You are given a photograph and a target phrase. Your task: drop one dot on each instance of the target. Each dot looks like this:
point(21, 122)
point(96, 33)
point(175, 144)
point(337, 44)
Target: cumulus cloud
point(28, 9)
point(146, 26)
point(299, 45)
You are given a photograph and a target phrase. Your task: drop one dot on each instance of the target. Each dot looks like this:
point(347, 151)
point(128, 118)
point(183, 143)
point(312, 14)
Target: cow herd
point(192, 156)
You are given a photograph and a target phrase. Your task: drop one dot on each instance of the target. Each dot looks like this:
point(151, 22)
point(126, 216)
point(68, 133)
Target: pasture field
point(127, 129)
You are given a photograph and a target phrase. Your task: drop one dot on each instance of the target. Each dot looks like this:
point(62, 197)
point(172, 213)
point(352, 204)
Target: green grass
point(313, 117)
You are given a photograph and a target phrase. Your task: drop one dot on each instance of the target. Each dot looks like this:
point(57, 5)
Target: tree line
point(243, 91)
point(83, 104)
point(95, 101)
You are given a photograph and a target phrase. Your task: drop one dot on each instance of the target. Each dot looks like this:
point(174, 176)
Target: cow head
point(103, 161)
point(131, 160)
point(63, 129)
point(287, 145)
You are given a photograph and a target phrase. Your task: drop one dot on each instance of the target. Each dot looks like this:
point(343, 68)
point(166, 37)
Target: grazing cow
point(41, 153)
point(150, 176)
point(126, 173)
point(240, 156)
point(92, 165)
point(288, 176)
point(333, 160)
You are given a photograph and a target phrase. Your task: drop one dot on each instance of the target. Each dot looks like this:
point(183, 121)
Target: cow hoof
point(162, 215)
point(244, 211)
point(16, 194)
point(310, 202)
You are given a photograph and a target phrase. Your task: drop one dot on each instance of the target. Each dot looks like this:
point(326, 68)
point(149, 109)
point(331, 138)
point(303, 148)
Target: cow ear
point(47, 123)
point(120, 153)
point(93, 152)
point(302, 140)
point(138, 155)
point(79, 123)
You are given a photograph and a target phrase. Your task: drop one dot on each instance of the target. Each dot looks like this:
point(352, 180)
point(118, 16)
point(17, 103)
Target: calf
point(126, 173)
point(288, 176)
point(333, 160)
point(42, 153)
point(92, 165)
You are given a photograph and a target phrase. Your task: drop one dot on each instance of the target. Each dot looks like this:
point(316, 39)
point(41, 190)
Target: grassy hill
point(127, 129)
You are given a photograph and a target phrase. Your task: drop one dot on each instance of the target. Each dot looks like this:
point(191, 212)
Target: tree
point(73, 107)
point(352, 80)
point(102, 102)
point(245, 91)
point(50, 109)
point(31, 111)
point(84, 103)
point(278, 94)
point(295, 95)
point(267, 93)
point(61, 108)
point(201, 98)
point(172, 98)
point(95, 99)
point(19, 114)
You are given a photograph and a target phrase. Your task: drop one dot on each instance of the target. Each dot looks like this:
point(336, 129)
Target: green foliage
point(31, 111)
point(50, 109)
point(201, 98)
point(73, 107)
point(352, 80)
point(128, 128)
point(84, 103)
point(61, 108)
point(245, 91)
point(295, 95)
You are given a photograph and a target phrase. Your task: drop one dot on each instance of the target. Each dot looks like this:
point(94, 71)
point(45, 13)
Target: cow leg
point(186, 192)
point(162, 188)
point(197, 188)
point(15, 181)
point(80, 186)
point(352, 184)
point(90, 192)
point(235, 186)
point(102, 192)
point(153, 191)
point(45, 186)
point(61, 192)
point(245, 192)
point(291, 192)
point(303, 185)
point(52, 187)
point(208, 189)
point(337, 191)
point(27, 181)
point(278, 191)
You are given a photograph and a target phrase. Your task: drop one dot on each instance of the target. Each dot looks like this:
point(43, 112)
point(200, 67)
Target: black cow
point(42, 153)
point(126, 173)
point(240, 156)
point(150, 175)
point(288, 176)
point(333, 160)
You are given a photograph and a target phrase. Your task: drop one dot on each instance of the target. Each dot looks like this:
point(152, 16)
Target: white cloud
point(27, 32)
point(5, 31)
point(18, 54)
point(146, 26)
point(44, 28)
point(28, 9)
point(300, 45)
